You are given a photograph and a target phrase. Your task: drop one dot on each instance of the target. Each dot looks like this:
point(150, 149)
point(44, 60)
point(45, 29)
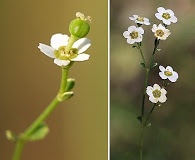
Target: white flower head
point(160, 32)
point(140, 20)
point(166, 15)
point(156, 94)
point(60, 55)
point(168, 73)
point(134, 34)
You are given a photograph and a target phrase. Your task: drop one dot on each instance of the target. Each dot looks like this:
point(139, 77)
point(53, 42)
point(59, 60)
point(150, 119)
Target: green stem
point(18, 150)
point(141, 142)
point(48, 110)
point(149, 114)
point(139, 47)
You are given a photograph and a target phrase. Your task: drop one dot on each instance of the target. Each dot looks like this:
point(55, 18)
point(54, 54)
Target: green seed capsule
point(79, 28)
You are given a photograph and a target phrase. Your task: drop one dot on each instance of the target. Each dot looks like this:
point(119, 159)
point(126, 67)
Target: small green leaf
point(142, 64)
point(70, 84)
point(10, 136)
point(134, 46)
point(39, 133)
point(67, 95)
point(158, 49)
point(148, 124)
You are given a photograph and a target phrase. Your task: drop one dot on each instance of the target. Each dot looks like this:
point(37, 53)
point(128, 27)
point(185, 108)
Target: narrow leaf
point(142, 64)
point(70, 84)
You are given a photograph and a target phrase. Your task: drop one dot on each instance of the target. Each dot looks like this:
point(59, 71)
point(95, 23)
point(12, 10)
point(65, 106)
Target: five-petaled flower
point(58, 52)
point(140, 20)
point(134, 34)
point(160, 32)
point(156, 94)
point(166, 15)
point(168, 73)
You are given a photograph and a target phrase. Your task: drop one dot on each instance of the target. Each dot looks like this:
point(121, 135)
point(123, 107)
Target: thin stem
point(71, 41)
point(150, 113)
point(18, 150)
point(141, 142)
point(139, 47)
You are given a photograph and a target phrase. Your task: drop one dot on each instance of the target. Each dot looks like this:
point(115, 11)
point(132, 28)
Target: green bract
point(79, 28)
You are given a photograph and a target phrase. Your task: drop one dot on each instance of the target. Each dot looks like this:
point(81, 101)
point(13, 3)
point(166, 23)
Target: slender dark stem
point(140, 50)
point(150, 113)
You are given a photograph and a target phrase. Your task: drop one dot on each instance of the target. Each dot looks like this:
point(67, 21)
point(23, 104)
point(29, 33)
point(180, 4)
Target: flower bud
point(80, 27)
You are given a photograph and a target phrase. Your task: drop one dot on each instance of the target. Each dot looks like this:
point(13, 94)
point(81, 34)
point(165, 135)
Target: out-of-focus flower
point(57, 49)
point(134, 34)
point(140, 20)
point(160, 32)
point(156, 94)
point(168, 73)
point(166, 15)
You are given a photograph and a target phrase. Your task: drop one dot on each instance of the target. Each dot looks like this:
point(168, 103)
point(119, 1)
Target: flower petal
point(130, 41)
point(156, 86)
point(81, 57)
point(126, 34)
point(162, 99)
point(162, 75)
point(173, 78)
point(82, 45)
point(149, 90)
point(140, 30)
point(47, 50)
point(58, 40)
point(162, 68)
point(61, 62)
point(153, 100)
point(169, 68)
point(163, 91)
point(131, 29)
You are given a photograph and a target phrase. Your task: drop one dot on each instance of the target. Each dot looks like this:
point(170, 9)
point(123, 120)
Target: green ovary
point(166, 16)
point(156, 93)
point(63, 55)
point(168, 73)
point(134, 35)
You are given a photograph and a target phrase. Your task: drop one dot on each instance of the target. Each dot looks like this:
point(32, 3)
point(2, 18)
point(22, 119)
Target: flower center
point(140, 19)
point(168, 73)
point(134, 35)
point(166, 16)
point(156, 93)
point(63, 55)
point(160, 33)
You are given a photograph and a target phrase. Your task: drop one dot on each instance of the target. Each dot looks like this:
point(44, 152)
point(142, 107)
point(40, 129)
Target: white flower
point(57, 51)
point(156, 94)
point(167, 16)
point(168, 73)
point(134, 34)
point(160, 31)
point(140, 20)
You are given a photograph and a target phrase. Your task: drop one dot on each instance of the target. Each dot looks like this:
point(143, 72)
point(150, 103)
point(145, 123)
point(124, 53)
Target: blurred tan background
point(171, 136)
point(29, 80)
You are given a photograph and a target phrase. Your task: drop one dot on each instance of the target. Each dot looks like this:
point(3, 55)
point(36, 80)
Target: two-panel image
point(97, 80)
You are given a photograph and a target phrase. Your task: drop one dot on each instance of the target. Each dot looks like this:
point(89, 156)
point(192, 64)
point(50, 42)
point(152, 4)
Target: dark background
point(171, 135)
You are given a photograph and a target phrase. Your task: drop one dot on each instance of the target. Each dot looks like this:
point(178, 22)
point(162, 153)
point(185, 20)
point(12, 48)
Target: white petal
point(131, 29)
point(167, 22)
point(162, 75)
point(149, 90)
point(126, 34)
point(81, 57)
point(173, 19)
point(58, 40)
point(156, 86)
point(154, 28)
point(47, 50)
point(162, 68)
point(82, 45)
point(61, 62)
point(170, 12)
point(153, 100)
point(159, 16)
point(130, 41)
point(160, 9)
point(163, 91)
point(139, 39)
point(173, 78)
point(140, 30)
point(162, 99)
point(169, 68)
point(134, 17)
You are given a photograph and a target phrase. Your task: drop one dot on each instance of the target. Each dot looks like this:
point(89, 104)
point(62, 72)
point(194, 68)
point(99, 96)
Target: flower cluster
point(160, 31)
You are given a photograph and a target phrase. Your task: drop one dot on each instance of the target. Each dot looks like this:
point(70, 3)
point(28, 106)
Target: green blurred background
point(29, 80)
point(171, 136)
